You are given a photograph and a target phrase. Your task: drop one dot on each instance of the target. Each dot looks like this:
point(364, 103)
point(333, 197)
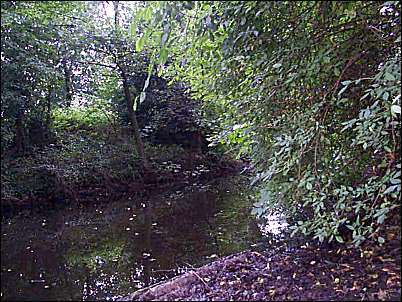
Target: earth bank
point(306, 272)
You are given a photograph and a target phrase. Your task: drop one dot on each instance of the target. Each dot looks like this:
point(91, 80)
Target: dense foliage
point(309, 90)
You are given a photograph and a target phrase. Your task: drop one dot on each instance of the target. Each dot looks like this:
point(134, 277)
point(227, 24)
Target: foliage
point(95, 116)
point(311, 90)
point(33, 48)
point(80, 158)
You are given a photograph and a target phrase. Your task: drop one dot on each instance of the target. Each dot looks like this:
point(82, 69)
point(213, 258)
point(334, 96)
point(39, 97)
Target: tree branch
point(98, 64)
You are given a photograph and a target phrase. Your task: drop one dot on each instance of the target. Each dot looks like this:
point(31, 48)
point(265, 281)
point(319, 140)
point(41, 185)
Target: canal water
point(105, 251)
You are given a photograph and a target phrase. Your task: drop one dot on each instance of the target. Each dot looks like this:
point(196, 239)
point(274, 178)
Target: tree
point(29, 66)
point(310, 90)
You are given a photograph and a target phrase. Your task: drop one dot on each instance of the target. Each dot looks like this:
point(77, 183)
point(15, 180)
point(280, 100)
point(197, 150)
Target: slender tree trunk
point(19, 132)
point(116, 14)
point(134, 124)
point(129, 100)
point(48, 107)
point(67, 81)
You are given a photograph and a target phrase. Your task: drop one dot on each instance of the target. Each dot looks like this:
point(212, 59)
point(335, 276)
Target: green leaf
point(396, 109)
point(389, 76)
point(277, 65)
point(163, 55)
point(139, 45)
point(147, 14)
point(380, 219)
point(342, 90)
point(390, 189)
point(142, 96)
point(146, 84)
point(339, 238)
point(164, 38)
point(364, 96)
point(133, 28)
point(135, 103)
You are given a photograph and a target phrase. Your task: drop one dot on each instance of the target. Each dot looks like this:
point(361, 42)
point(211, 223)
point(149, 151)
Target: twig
point(350, 62)
point(198, 276)
point(260, 255)
point(202, 280)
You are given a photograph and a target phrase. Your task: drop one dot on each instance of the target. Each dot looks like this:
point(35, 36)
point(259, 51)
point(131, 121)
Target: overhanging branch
point(97, 63)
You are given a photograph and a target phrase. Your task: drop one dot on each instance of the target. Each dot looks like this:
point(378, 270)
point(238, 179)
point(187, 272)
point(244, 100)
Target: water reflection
point(273, 224)
point(147, 243)
point(103, 252)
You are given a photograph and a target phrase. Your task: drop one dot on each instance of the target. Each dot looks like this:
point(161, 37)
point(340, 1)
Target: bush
point(95, 116)
point(310, 90)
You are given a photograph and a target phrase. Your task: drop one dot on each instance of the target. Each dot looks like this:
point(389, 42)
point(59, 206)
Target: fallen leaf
point(382, 294)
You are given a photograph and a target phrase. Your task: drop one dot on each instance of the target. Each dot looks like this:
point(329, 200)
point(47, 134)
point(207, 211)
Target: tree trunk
point(134, 124)
point(116, 14)
point(67, 81)
point(129, 100)
point(19, 132)
point(48, 107)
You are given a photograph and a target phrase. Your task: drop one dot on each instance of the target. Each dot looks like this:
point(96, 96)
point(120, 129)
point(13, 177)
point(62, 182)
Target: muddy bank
point(302, 273)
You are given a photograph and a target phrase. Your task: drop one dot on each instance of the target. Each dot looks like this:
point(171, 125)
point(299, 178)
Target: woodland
point(149, 148)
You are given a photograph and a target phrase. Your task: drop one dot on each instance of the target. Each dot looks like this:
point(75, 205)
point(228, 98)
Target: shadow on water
point(104, 251)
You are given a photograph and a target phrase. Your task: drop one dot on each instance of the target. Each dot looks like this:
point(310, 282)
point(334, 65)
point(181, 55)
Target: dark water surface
point(105, 251)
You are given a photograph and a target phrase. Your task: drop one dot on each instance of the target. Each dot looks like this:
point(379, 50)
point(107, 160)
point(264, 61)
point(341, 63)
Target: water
point(105, 251)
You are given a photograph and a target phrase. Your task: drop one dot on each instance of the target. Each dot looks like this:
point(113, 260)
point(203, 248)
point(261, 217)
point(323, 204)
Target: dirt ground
point(304, 273)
